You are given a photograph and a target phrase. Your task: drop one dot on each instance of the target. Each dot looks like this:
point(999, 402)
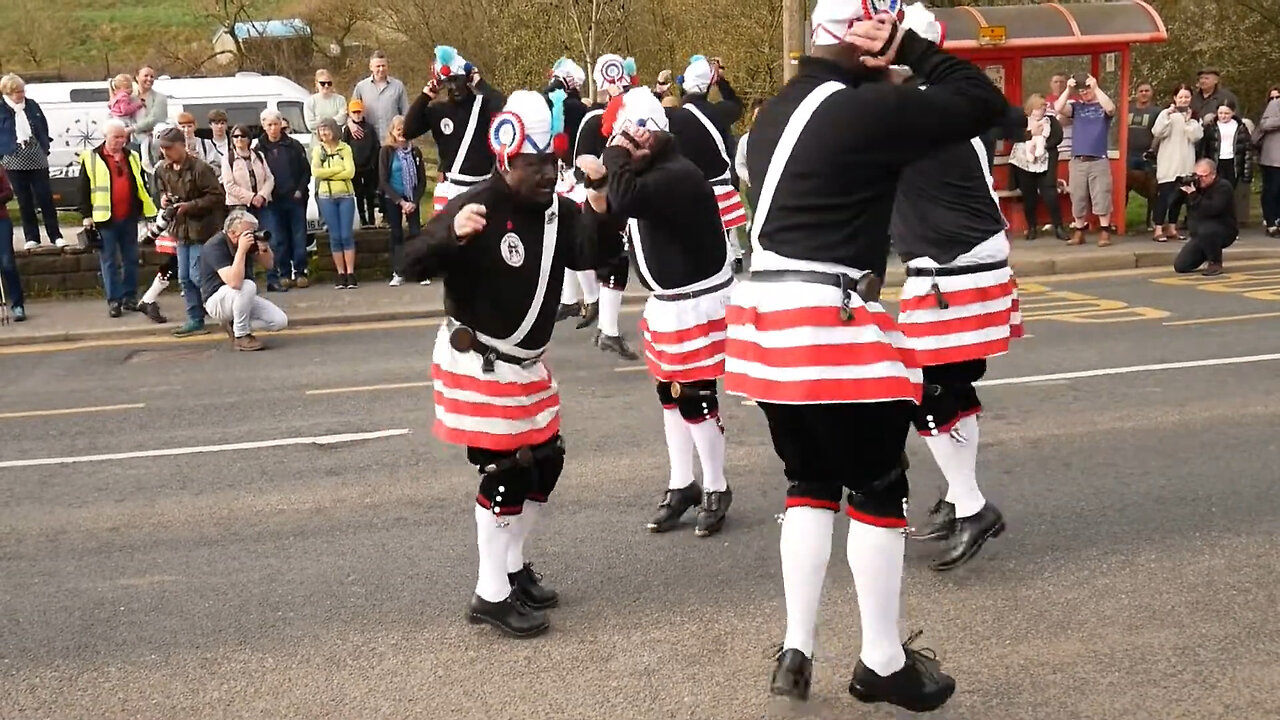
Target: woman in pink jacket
point(245, 175)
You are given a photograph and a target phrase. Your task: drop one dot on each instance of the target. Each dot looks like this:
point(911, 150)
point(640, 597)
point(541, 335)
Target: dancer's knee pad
point(697, 401)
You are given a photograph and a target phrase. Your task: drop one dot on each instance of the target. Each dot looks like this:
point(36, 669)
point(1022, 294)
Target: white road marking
point(366, 388)
point(70, 411)
point(170, 452)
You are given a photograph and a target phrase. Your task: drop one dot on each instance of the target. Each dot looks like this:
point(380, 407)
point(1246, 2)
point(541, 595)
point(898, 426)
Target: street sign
point(992, 35)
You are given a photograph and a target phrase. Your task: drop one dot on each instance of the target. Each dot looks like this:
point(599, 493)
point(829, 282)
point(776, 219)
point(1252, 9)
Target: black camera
point(1187, 181)
point(163, 220)
point(262, 236)
point(1082, 80)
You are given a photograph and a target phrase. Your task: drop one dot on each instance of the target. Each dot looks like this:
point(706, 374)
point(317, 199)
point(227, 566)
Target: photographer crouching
point(226, 281)
point(1211, 220)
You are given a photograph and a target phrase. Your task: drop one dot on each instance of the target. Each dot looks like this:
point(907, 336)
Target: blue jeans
point(119, 247)
point(189, 277)
point(287, 221)
point(9, 265)
point(339, 214)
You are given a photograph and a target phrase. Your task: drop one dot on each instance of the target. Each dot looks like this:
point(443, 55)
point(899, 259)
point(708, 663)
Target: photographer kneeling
point(226, 281)
point(1211, 220)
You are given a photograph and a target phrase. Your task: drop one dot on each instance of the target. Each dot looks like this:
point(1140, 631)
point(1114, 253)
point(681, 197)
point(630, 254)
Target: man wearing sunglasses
point(1211, 220)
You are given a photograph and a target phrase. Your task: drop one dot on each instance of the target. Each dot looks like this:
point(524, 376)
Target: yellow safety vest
point(100, 185)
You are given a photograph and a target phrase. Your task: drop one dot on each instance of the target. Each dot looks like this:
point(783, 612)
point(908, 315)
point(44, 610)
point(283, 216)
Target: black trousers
point(365, 184)
point(508, 488)
point(1270, 195)
point(829, 448)
point(949, 395)
point(396, 219)
point(1200, 249)
point(1169, 202)
point(1036, 188)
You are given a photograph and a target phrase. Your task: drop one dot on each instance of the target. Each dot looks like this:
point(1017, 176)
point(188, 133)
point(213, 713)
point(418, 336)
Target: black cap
point(1209, 71)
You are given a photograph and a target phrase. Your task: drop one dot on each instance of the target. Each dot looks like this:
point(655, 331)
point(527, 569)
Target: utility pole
point(794, 23)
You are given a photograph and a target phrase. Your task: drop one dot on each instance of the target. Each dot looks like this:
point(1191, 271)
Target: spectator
point(286, 215)
point(157, 110)
point(24, 153)
point(1089, 181)
point(325, 103)
point(246, 178)
point(227, 287)
point(1211, 220)
point(1226, 142)
point(192, 184)
point(1033, 176)
point(333, 166)
point(365, 149)
point(1176, 132)
point(1267, 139)
point(113, 199)
point(1058, 88)
point(1140, 177)
point(383, 97)
point(123, 106)
point(198, 146)
point(9, 278)
point(402, 179)
point(218, 131)
point(1210, 96)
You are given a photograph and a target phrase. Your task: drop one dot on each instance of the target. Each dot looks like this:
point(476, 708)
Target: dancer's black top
point(835, 195)
point(945, 204)
point(493, 277)
point(590, 139)
point(681, 239)
point(696, 141)
point(447, 122)
point(574, 111)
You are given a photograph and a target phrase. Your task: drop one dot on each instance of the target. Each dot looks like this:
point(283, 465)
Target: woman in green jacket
point(333, 165)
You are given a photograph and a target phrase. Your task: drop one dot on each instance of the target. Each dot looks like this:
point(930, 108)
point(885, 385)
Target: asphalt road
point(1137, 579)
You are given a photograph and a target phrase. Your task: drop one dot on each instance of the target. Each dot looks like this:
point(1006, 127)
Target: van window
point(238, 113)
point(91, 95)
point(292, 111)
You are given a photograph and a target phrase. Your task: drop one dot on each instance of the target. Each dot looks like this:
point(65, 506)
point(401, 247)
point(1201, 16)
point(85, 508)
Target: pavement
point(72, 319)
point(237, 553)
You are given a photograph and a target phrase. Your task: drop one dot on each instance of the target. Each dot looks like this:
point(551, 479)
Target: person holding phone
point(1176, 132)
point(1089, 178)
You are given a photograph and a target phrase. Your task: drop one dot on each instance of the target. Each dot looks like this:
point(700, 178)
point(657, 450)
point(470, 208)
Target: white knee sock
point(590, 285)
point(524, 526)
point(157, 286)
point(679, 449)
point(571, 293)
point(957, 456)
point(875, 557)
point(493, 535)
point(708, 437)
point(610, 308)
point(805, 547)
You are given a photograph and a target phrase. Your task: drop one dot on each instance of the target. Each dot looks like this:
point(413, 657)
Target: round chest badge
point(512, 250)
point(446, 126)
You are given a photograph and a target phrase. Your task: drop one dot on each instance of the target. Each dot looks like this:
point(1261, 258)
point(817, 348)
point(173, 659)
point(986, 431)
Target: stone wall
point(75, 271)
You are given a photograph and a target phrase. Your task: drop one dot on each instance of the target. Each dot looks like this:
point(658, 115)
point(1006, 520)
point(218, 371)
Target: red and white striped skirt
point(684, 339)
point(732, 212)
point(787, 344)
point(981, 318)
point(166, 244)
point(504, 410)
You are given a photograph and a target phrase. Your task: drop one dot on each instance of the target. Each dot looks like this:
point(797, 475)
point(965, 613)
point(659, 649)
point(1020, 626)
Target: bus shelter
point(1022, 48)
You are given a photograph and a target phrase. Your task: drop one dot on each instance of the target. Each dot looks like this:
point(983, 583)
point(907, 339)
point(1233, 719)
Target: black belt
point(1088, 158)
point(867, 287)
point(672, 297)
point(464, 339)
point(525, 456)
point(955, 269)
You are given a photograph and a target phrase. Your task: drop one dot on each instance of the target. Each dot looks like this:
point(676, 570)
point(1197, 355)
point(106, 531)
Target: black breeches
point(827, 448)
point(697, 401)
point(169, 270)
point(949, 395)
point(613, 273)
point(505, 488)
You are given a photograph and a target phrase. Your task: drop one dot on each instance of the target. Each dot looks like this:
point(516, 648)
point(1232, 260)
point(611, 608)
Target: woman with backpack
point(246, 178)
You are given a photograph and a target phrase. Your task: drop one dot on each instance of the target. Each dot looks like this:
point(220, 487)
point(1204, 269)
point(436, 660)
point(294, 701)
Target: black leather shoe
point(942, 519)
point(129, 305)
point(792, 675)
point(1061, 233)
point(509, 616)
point(567, 310)
point(673, 506)
point(526, 586)
point(711, 513)
point(590, 313)
point(969, 536)
point(152, 311)
point(616, 344)
point(920, 686)
point(1031, 234)
point(114, 310)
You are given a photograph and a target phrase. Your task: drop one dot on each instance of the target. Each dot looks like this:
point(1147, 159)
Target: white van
point(76, 111)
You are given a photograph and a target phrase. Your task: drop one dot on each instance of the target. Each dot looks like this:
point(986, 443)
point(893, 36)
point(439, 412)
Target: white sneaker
point(425, 282)
point(31, 245)
point(396, 281)
point(61, 242)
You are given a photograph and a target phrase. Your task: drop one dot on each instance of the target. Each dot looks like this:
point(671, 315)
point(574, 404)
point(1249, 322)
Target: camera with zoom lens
point(164, 219)
point(1186, 181)
point(260, 237)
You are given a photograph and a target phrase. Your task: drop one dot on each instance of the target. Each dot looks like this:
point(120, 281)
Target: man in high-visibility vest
point(113, 199)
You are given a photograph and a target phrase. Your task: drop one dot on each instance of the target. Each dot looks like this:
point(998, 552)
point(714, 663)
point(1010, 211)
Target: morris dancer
point(808, 339)
point(502, 247)
point(456, 122)
point(704, 131)
point(581, 294)
point(959, 306)
point(677, 240)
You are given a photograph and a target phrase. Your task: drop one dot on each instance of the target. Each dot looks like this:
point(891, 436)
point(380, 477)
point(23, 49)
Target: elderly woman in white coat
point(24, 153)
point(1176, 134)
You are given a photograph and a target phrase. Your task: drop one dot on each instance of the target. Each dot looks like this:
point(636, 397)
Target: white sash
point(466, 136)
point(549, 232)
point(715, 134)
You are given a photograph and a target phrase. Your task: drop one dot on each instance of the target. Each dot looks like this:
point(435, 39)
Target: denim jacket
point(9, 128)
